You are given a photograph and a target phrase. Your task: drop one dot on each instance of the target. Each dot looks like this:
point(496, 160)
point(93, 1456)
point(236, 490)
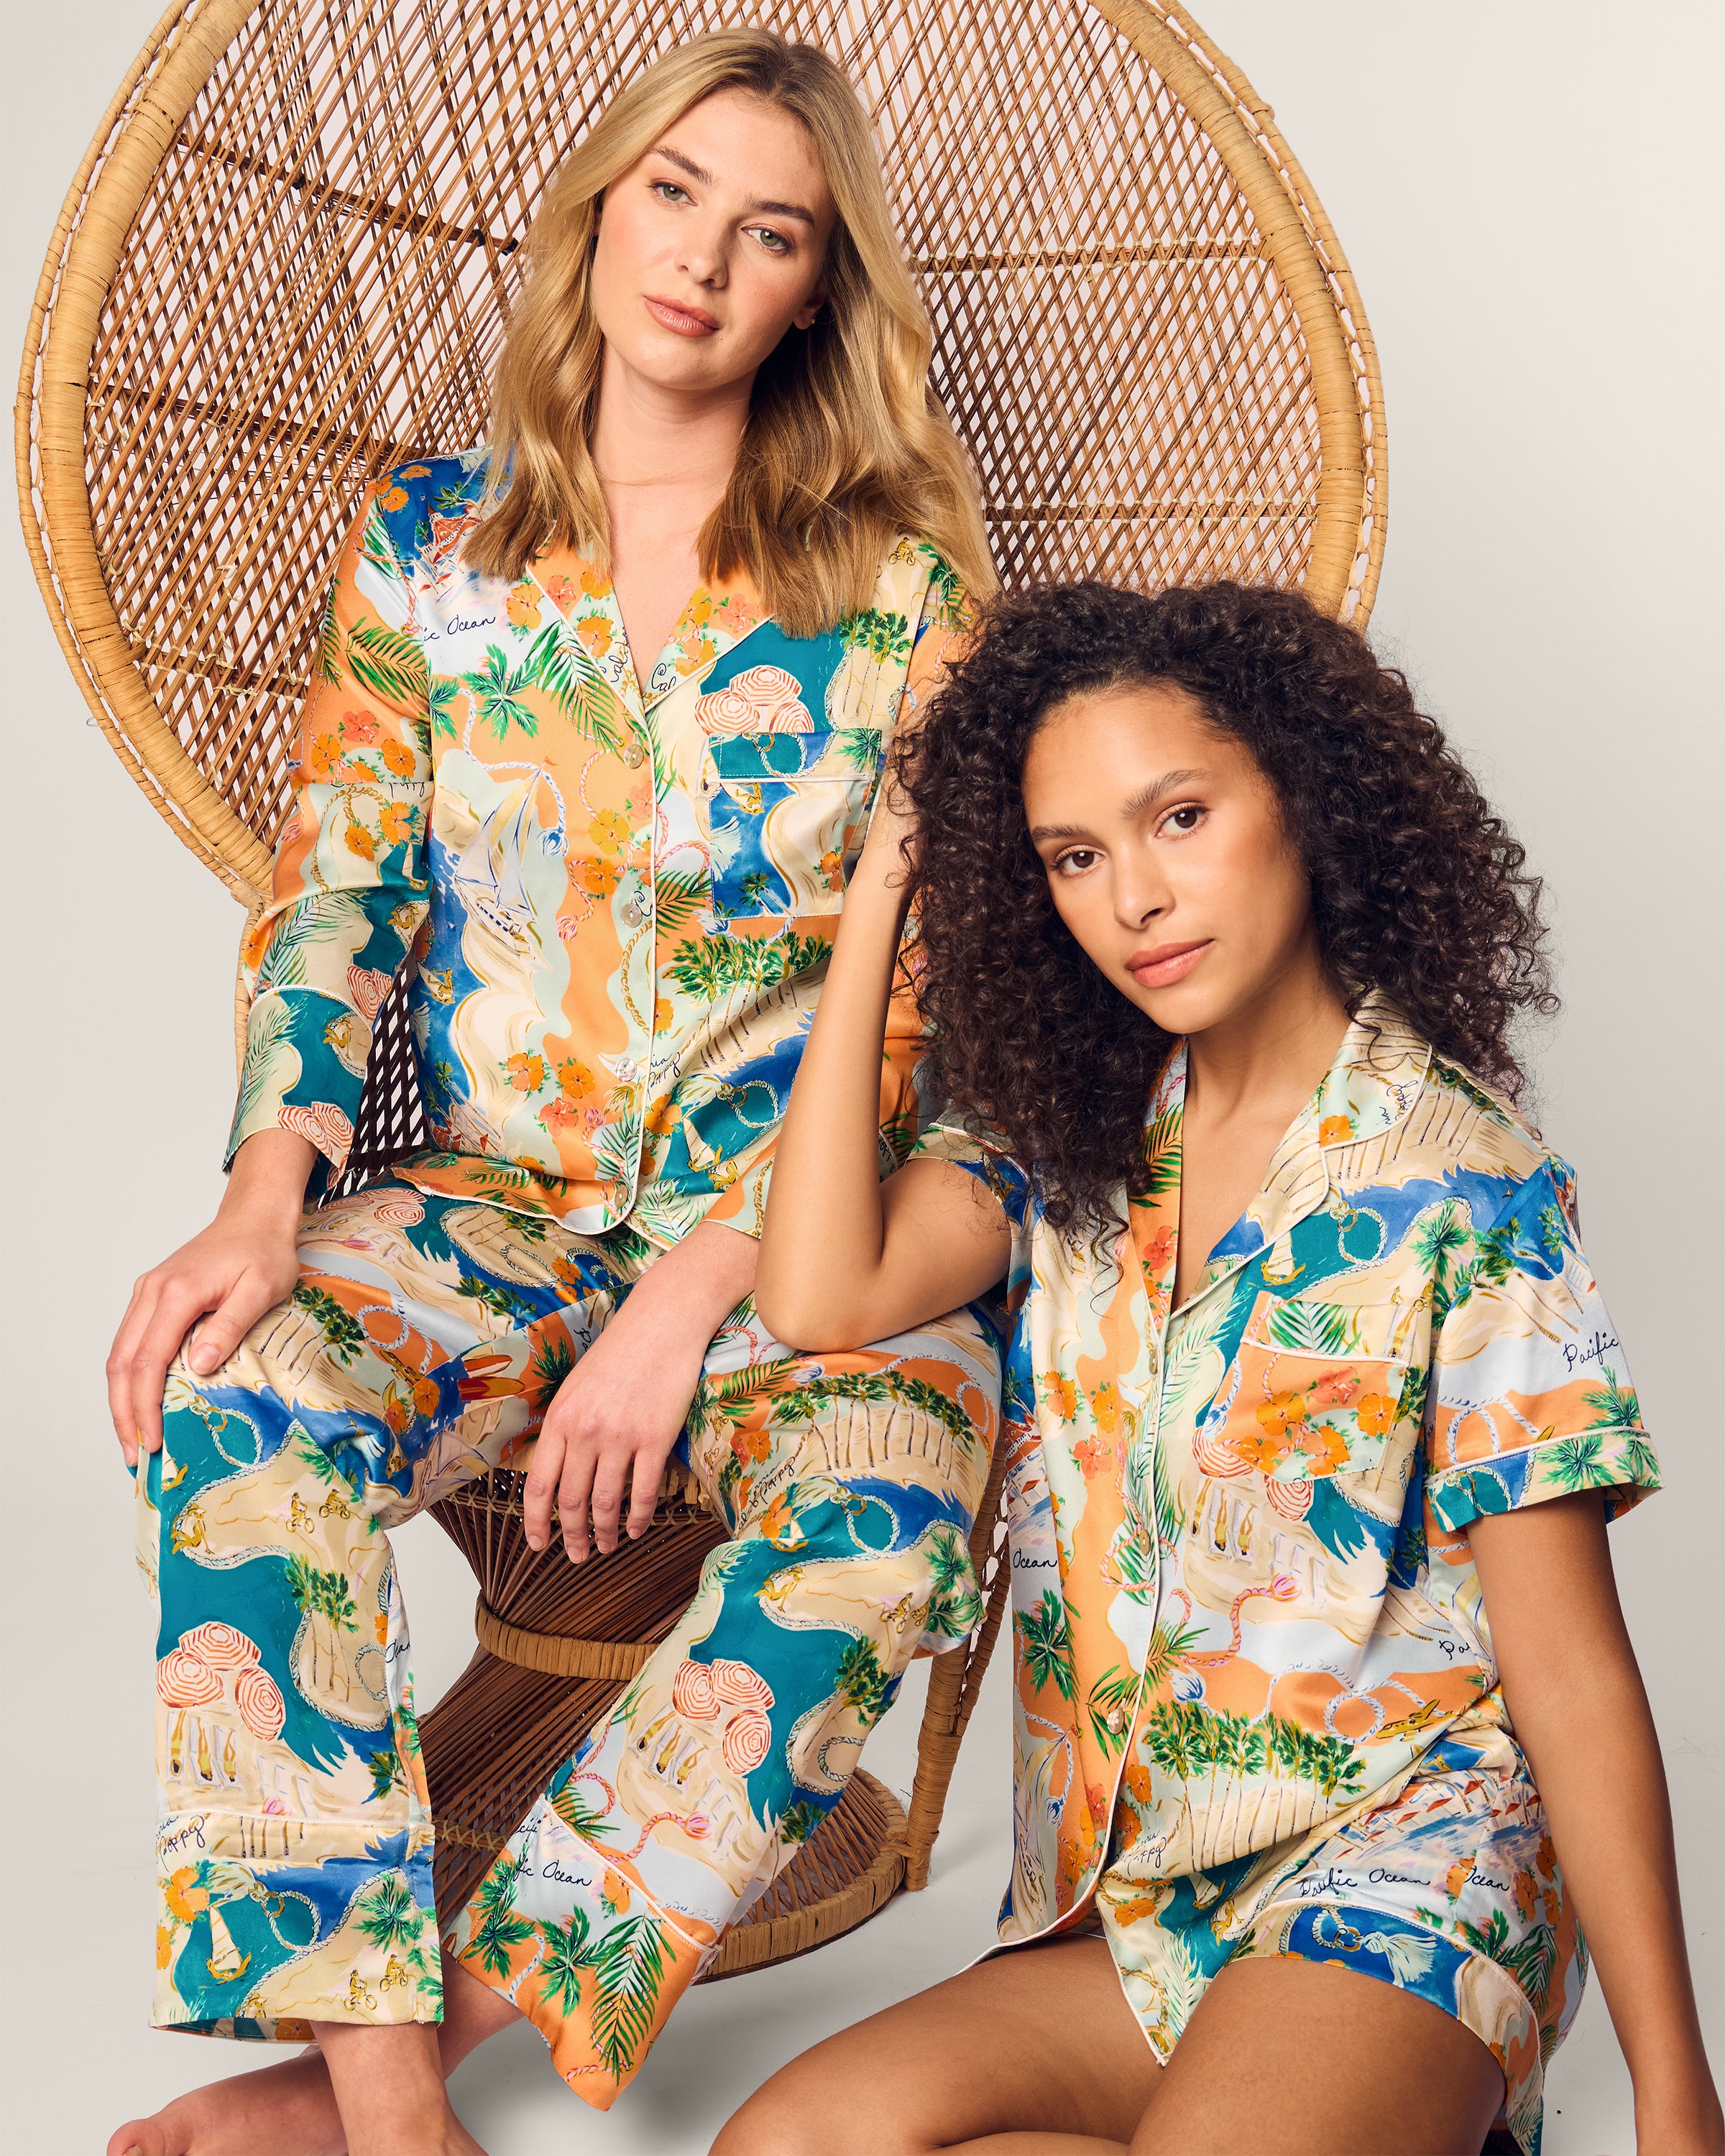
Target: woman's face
point(1166, 855)
point(712, 246)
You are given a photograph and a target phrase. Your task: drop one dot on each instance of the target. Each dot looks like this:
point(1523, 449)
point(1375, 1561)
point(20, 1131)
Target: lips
point(1165, 963)
point(682, 320)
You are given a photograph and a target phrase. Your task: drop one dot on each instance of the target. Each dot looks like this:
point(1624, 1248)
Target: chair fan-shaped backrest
point(289, 258)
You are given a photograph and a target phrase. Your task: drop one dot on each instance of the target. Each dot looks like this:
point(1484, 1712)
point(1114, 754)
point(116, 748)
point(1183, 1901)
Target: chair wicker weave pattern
point(303, 223)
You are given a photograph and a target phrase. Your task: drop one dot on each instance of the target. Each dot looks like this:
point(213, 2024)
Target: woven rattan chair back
point(288, 260)
point(286, 263)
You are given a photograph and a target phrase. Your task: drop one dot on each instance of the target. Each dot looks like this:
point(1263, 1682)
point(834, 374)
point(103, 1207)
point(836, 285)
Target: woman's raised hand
point(243, 1264)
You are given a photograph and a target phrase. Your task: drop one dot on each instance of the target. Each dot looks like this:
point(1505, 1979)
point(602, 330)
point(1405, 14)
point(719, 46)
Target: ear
point(803, 318)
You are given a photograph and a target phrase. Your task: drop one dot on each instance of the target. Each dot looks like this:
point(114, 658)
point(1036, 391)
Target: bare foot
point(289, 2109)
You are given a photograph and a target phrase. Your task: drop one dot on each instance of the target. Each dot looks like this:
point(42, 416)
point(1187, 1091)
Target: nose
point(705, 251)
point(1140, 891)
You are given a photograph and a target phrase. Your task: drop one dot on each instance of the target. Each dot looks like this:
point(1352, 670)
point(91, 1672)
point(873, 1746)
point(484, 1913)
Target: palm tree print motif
point(1390, 1341)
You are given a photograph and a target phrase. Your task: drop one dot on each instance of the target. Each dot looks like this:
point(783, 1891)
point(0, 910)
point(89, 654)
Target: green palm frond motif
point(944, 585)
point(497, 1930)
point(1313, 1328)
point(497, 688)
point(443, 692)
point(711, 965)
point(1162, 1153)
point(860, 746)
point(387, 662)
point(553, 1359)
point(579, 1814)
point(1169, 1646)
point(679, 895)
point(798, 1821)
point(559, 667)
point(1614, 1407)
point(505, 1301)
point(863, 1683)
point(329, 643)
point(1440, 1238)
point(386, 1772)
point(1047, 1644)
point(884, 634)
point(1114, 1693)
point(562, 1957)
point(388, 1915)
point(879, 1388)
point(343, 1334)
point(627, 1968)
point(1578, 1463)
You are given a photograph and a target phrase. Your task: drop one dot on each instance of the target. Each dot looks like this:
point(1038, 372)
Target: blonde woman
point(598, 720)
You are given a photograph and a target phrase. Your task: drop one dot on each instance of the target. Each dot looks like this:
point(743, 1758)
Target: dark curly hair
point(1418, 888)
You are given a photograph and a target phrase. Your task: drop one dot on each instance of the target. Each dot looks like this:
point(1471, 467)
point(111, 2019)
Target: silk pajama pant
point(423, 1343)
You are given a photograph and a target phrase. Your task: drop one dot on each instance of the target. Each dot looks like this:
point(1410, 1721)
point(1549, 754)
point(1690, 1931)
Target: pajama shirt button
point(1116, 1721)
point(634, 755)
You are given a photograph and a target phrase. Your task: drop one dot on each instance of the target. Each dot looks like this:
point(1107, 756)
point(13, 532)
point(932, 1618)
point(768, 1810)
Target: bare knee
point(803, 2113)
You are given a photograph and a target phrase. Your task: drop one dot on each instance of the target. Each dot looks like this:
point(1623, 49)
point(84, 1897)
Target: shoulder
point(418, 503)
point(1494, 1150)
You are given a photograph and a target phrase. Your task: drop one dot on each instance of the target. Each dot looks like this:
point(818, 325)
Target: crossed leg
point(1037, 2054)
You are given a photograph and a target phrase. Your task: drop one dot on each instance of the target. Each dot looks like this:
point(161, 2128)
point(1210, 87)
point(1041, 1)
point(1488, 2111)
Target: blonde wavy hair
point(846, 449)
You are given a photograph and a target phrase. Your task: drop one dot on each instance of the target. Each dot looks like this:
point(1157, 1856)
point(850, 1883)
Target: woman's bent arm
point(844, 1258)
point(1580, 1715)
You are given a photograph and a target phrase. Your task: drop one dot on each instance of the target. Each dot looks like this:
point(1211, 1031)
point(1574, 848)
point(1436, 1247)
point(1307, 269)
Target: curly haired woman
point(1328, 1735)
point(599, 716)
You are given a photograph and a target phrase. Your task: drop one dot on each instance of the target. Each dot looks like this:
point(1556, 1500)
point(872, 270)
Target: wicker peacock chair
point(285, 265)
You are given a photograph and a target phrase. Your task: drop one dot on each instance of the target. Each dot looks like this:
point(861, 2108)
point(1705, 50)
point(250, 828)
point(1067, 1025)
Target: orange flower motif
point(359, 726)
point(1265, 1451)
point(414, 471)
point(1376, 1413)
point(593, 584)
point(522, 607)
point(1092, 1455)
point(1546, 1857)
point(380, 1625)
point(1335, 1389)
point(360, 841)
point(1060, 1393)
point(398, 1415)
point(1096, 1798)
point(559, 1113)
point(1105, 1406)
point(1126, 1828)
point(574, 1079)
point(696, 655)
point(1323, 1448)
point(700, 608)
point(612, 830)
point(1138, 1780)
point(663, 1013)
point(323, 754)
point(393, 497)
point(561, 590)
point(1335, 1130)
point(595, 632)
point(1551, 1906)
point(832, 868)
point(1159, 1250)
point(1130, 1912)
point(1456, 1877)
point(1527, 1895)
point(164, 1945)
point(527, 1074)
point(1279, 1410)
point(396, 821)
point(184, 1898)
point(398, 758)
point(597, 878)
point(614, 1892)
point(426, 1395)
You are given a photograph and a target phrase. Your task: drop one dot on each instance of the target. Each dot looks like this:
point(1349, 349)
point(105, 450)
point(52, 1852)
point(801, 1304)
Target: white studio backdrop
point(1525, 199)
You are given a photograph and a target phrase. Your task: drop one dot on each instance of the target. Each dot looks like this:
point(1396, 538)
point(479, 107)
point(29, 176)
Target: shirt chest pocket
point(785, 815)
point(1316, 1390)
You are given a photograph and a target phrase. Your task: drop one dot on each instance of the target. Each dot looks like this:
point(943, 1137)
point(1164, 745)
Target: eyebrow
point(757, 205)
point(1170, 782)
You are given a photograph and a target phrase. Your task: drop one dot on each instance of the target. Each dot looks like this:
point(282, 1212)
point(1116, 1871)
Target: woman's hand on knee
point(611, 1427)
point(241, 1266)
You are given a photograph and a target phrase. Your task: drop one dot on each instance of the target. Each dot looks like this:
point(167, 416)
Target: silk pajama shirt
point(613, 901)
point(1256, 1709)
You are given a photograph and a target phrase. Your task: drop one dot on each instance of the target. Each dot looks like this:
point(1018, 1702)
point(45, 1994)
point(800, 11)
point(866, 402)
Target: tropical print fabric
point(1248, 1633)
point(617, 897)
point(420, 1349)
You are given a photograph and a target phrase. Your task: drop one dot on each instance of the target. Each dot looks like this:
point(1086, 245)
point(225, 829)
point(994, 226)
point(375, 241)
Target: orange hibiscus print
point(526, 1073)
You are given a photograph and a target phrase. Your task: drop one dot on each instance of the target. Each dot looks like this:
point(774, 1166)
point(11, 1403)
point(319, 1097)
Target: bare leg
point(1038, 2055)
point(291, 2108)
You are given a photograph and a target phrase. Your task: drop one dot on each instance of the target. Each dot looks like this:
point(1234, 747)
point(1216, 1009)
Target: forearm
point(686, 1295)
point(1580, 1714)
point(268, 1177)
point(823, 1244)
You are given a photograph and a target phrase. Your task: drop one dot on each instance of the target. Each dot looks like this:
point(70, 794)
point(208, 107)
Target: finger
point(173, 1315)
point(606, 1500)
point(119, 1367)
point(228, 1324)
point(572, 1498)
point(541, 1492)
point(643, 1488)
